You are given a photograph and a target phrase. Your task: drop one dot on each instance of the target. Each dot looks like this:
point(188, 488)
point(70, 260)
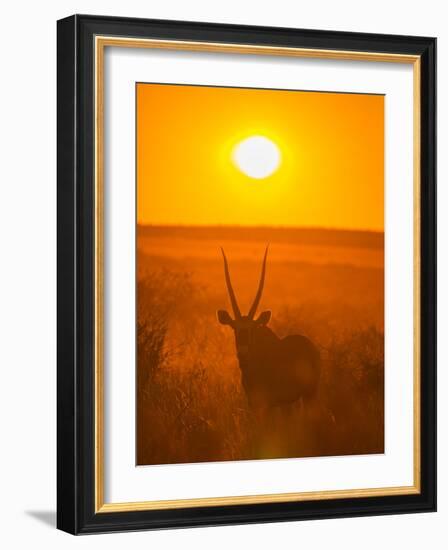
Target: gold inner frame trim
point(101, 42)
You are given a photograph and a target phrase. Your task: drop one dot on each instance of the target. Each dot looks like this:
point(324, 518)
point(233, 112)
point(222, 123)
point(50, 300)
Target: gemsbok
point(274, 371)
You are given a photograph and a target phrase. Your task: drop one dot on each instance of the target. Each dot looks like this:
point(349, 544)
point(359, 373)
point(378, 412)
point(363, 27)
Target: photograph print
point(259, 274)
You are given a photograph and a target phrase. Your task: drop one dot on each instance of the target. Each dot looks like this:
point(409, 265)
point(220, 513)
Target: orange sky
point(331, 144)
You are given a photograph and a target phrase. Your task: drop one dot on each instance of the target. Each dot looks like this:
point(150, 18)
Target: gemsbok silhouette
point(274, 371)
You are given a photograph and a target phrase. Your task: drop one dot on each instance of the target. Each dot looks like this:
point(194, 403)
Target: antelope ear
point(264, 318)
point(223, 317)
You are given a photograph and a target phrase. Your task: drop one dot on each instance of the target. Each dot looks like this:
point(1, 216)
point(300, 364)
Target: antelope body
point(274, 371)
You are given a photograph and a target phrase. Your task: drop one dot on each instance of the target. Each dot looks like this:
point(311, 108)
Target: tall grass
point(190, 403)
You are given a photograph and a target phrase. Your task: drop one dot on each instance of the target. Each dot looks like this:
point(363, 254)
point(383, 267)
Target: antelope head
point(244, 326)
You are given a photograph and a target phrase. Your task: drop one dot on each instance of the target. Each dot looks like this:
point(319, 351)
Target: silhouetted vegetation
point(191, 406)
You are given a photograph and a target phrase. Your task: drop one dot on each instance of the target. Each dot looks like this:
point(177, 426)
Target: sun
point(257, 156)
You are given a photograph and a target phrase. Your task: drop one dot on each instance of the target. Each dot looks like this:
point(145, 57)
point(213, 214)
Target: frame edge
point(67, 517)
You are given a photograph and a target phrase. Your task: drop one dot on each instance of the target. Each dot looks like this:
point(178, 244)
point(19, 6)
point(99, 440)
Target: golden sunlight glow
point(257, 157)
point(198, 147)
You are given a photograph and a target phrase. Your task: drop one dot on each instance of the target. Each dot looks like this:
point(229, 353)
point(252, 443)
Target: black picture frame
point(76, 273)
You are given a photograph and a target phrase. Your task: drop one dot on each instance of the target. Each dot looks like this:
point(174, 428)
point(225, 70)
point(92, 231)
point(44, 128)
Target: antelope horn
point(257, 299)
point(236, 309)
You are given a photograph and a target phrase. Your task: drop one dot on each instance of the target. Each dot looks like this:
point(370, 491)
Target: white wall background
point(28, 271)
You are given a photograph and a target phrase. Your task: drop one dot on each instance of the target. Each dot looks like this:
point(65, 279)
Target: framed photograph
point(246, 274)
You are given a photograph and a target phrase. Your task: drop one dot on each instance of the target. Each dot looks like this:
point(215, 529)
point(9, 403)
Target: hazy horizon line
point(242, 226)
